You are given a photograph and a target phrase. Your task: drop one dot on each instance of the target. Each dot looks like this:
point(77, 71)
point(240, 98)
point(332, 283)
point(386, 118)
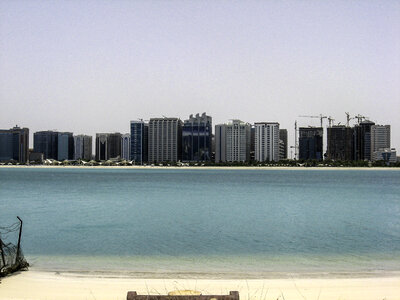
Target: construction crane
point(321, 117)
point(330, 120)
point(348, 119)
point(360, 118)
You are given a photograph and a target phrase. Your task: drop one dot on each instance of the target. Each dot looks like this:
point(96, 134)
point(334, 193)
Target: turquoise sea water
point(206, 223)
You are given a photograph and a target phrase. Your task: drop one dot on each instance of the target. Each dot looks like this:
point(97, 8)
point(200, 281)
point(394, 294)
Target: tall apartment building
point(139, 142)
point(283, 138)
point(266, 141)
point(196, 138)
point(165, 140)
point(362, 141)
point(65, 147)
point(380, 138)
point(83, 147)
point(126, 146)
point(252, 143)
point(310, 143)
point(46, 142)
point(232, 142)
point(108, 146)
point(340, 143)
point(14, 144)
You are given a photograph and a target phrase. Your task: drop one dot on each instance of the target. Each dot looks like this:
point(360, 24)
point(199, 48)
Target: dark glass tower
point(65, 146)
point(310, 143)
point(108, 146)
point(283, 136)
point(139, 142)
point(340, 143)
point(196, 138)
point(362, 141)
point(14, 144)
point(46, 142)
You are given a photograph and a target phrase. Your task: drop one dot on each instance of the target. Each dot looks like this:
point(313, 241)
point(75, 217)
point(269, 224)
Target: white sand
point(202, 168)
point(46, 285)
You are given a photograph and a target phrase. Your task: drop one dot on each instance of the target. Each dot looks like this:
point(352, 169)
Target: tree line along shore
point(253, 164)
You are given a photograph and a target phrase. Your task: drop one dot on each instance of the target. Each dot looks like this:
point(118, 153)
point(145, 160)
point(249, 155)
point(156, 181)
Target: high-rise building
point(83, 147)
point(108, 146)
point(340, 143)
point(46, 142)
point(139, 142)
point(126, 146)
point(196, 138)
point(65, 148)
point(283, 150)
point(310, 143)
point(380, 138)
point(14, 144)
point(362, 140)
point(252, 143)
point(232, 142)
point(267, 141)
point(165, 140)
point(6, 145)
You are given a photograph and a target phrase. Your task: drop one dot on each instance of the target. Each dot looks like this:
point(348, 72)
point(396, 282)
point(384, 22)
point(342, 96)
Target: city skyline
point(93, 67)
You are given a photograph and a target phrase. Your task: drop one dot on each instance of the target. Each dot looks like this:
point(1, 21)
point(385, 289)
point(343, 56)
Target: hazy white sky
point(92, 66)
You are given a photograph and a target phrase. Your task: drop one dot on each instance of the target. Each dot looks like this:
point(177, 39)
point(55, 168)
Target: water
point(206, 223)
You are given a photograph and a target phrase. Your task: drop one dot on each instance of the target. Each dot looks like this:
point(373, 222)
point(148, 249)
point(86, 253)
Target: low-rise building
point(386, 154)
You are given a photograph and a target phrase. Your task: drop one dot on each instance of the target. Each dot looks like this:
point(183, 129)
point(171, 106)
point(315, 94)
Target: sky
point(93, 66)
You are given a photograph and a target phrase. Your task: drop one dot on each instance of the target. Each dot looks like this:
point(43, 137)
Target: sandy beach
point(47, 285)
point(201, 168)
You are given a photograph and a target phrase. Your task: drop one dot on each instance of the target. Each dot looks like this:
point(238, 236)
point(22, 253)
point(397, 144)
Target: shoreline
point(60, 286)
point(201, 168)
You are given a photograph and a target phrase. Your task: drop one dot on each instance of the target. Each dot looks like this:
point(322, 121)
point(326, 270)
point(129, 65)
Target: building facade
point(340, 143)
point(362, 140)
point(232, 142)
point(65, 146)
point(283, 140)
point(83, 147)
point(126, 146)
point(385, 154)
point(196, 138)
point(165, 140)
point(139, 142)
point(310, 143)
point(380, 138)
point(108, 146)
point(14, 144)
point(266, 141)
point(252, 143)
point(46, 142)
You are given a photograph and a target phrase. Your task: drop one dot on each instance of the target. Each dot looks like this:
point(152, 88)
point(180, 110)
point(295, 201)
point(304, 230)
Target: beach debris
point(11, 256)
point(180, 295)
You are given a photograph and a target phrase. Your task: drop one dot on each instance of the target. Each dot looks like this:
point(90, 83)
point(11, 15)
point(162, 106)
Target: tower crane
point(330, 120)
point(321, 117)
point(348, 118)
point(360, 118)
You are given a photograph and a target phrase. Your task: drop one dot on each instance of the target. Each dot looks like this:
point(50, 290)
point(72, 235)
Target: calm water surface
point(227, 223)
